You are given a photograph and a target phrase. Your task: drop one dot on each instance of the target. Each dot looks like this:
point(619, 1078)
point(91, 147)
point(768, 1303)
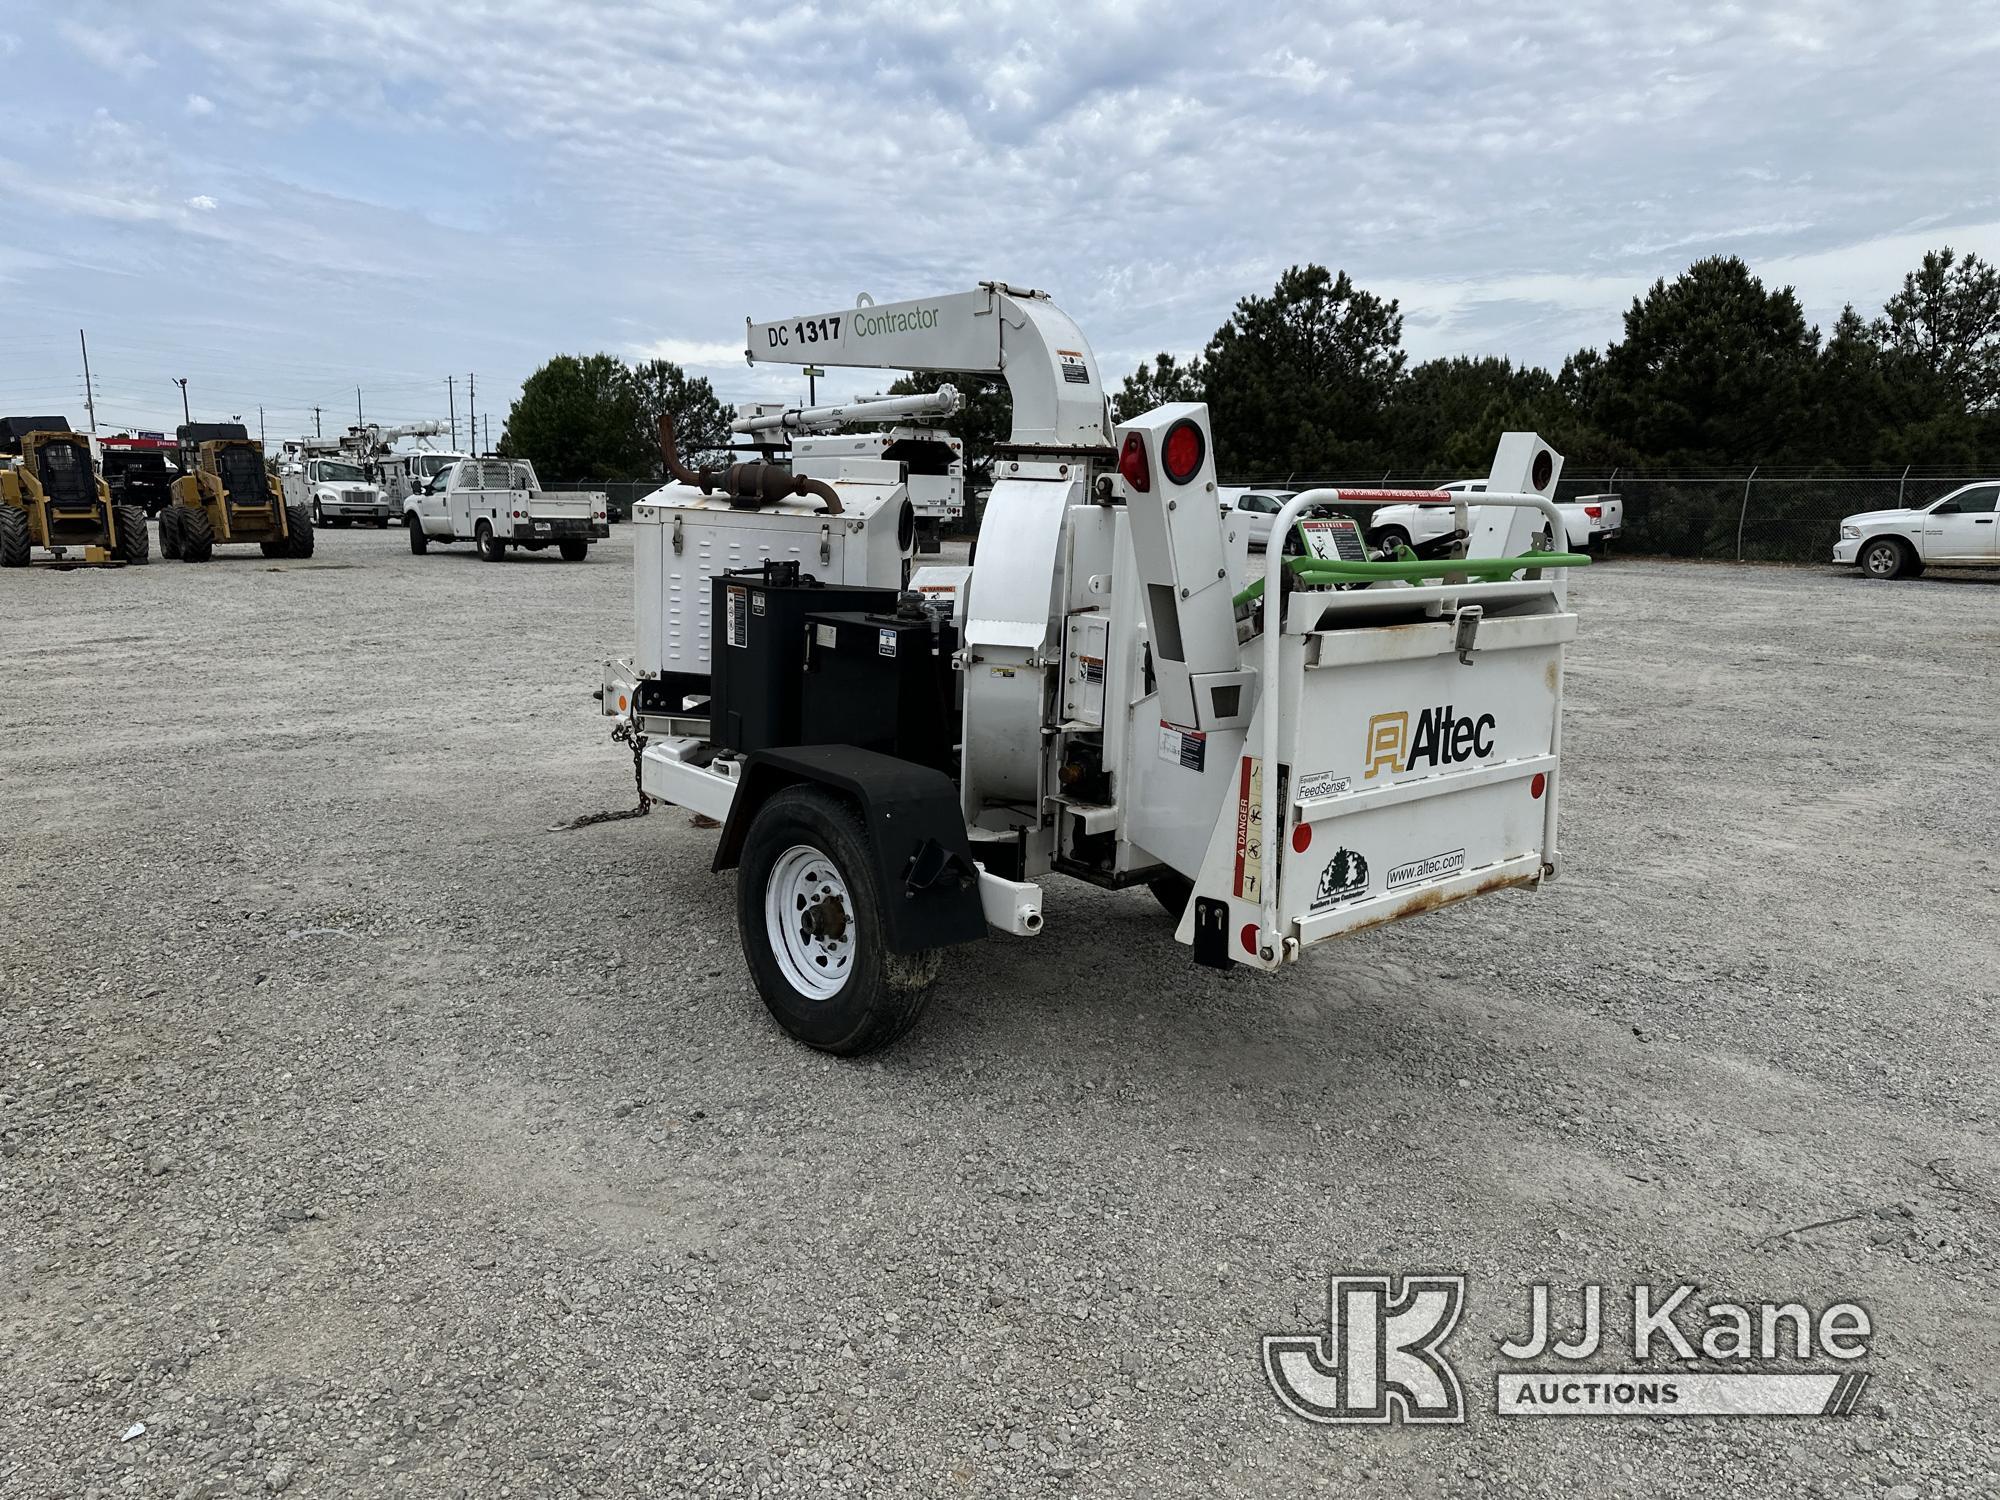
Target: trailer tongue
point(1351, 738)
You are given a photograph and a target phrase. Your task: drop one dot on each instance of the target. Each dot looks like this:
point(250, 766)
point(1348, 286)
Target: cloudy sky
point(283, 199)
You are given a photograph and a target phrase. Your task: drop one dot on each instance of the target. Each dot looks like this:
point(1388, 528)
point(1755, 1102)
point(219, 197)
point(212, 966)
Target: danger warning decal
point(1250, 826)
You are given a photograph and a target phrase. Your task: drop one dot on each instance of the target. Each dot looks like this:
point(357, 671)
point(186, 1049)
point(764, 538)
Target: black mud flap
point(1211, 932)
point(916, 835)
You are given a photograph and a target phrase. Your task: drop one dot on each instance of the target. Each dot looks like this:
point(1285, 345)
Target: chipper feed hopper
point(51, 496)
point(226, 494)
point(899, 762)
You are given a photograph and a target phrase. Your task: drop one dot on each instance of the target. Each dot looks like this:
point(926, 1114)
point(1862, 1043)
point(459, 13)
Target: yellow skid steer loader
point(226, 494)
point(51, 496)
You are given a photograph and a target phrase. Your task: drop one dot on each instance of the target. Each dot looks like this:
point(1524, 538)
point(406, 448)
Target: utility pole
point(89, 394)
point(451, 400)
point(359, 420)
point(489, 433)
point(472, 411)
point(182, 382)
point(260, 424)
point(315, 421)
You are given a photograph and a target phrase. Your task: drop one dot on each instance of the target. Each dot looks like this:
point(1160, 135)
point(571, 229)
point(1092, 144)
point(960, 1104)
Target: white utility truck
point(932, 462)
point(1342, 742)
point(1960, 530)
point(497, 503)
point(1589, 521)
point(334, 491)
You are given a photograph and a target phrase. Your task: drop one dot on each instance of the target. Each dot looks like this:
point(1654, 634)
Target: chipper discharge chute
point(226, 494)
point(51, 496)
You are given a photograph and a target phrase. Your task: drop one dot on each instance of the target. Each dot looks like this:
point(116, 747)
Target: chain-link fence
point(1754, 515)
point(1759, 515)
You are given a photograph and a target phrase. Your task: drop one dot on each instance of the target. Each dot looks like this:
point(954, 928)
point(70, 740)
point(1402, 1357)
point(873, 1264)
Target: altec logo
point(1442, 739)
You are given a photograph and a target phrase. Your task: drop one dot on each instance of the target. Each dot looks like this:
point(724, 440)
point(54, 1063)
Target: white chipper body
point(901, 762)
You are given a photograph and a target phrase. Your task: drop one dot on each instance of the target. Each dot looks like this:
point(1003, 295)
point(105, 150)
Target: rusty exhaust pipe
point(745, 486)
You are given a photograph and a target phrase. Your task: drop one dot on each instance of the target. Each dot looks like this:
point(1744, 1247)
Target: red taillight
point(1593, 511)
point(1539, 785)
point(1183, 451)
point(1249, 937)
point(1132, 465)
point(1302, 837)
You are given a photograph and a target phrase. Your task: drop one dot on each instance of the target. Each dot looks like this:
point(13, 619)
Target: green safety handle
point(1318, 572)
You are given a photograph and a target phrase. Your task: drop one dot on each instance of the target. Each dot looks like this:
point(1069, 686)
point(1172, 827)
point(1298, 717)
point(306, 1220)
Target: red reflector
point(1593, 511)
point(1183, 451)
point(1302, 837)
point(1132, 466)
point(1539, 785)
point(1249, 937)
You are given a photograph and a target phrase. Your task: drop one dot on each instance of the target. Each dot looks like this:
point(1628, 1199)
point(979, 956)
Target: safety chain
point(625, 733)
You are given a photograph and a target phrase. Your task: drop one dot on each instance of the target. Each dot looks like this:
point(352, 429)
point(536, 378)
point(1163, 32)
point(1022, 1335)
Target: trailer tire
point(197, 535)
point(298, 531)
point(17, 544)
point(419, 543)
point(573, 550)
point(170, 532)
point(1886, 557)
point(491, 548)
point(135, 542)
point(809, 914)
point(1173, 891)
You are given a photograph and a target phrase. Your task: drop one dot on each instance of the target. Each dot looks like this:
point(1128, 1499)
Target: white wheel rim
point(809, 921)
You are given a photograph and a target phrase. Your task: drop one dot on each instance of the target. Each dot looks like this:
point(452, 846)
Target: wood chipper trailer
point(1352, 738)
point(226, 493)
point(51, 496)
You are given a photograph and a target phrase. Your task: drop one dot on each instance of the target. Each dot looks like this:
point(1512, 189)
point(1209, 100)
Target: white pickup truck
point(497, 503)
point(1962, 530)
point(1592, 520)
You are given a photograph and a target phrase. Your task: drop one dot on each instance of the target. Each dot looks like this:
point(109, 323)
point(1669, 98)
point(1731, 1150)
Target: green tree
point(1713, 369)
point(1854, 400)
point(1300, 381)
point(1945, 322)
point(577, 417)
point(701, 423)
point(1165, 379)
point(1448, 414)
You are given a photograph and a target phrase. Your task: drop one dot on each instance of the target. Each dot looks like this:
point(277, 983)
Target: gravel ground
point(363, 1136)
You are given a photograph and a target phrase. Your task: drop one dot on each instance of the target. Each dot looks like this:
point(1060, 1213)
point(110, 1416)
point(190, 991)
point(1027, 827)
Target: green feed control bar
point(1323, 572)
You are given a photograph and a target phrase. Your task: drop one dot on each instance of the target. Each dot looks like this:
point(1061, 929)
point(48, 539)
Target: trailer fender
point(916, 835)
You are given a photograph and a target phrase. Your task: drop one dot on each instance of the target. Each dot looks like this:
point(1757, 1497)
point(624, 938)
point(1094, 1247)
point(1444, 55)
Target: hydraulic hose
point(1319, 572)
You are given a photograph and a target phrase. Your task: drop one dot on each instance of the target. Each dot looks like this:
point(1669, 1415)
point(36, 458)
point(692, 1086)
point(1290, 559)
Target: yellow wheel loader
point(51, 496)
point(226, 494)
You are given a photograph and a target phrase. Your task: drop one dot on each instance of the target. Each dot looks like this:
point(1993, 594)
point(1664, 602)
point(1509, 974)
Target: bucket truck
point(355, 476)
point(1347, 739)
